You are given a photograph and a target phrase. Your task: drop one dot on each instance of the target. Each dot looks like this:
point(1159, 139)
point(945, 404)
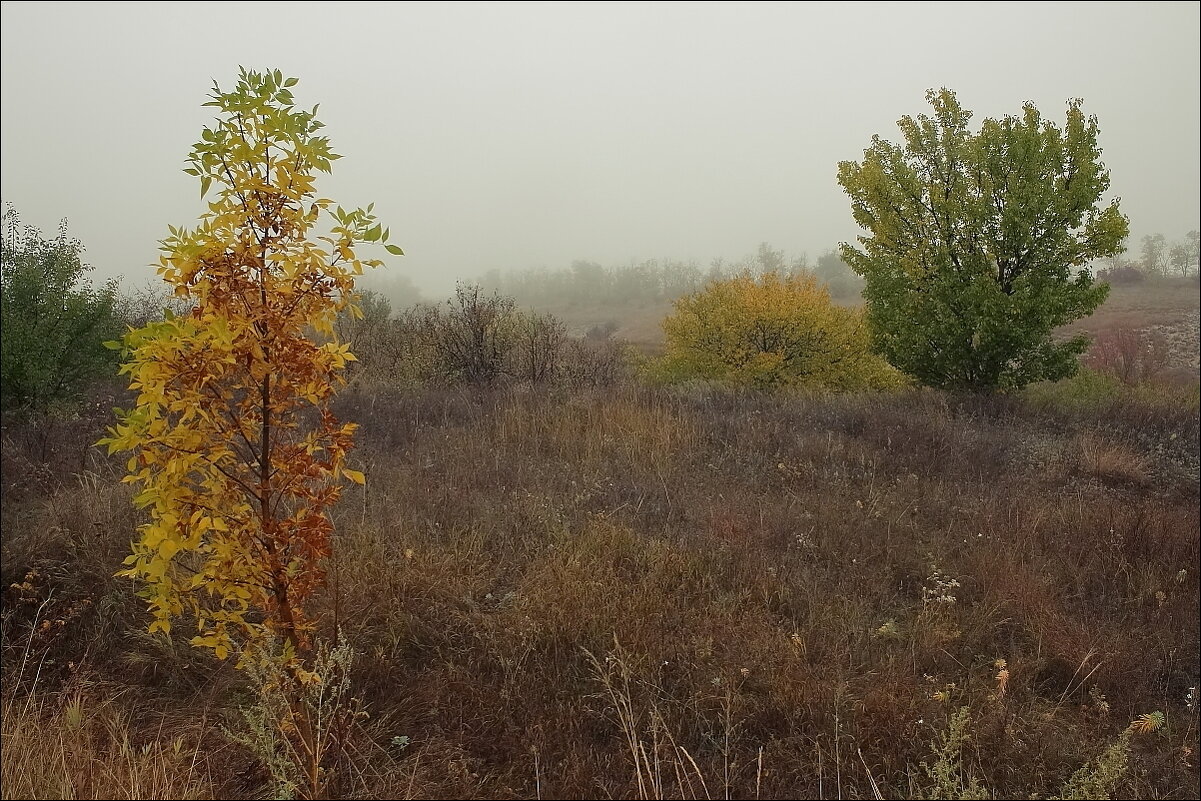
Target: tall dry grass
point(804, 589)
point(80, 744)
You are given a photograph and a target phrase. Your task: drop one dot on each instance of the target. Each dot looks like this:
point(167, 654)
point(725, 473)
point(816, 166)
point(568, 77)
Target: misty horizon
point(527, 136)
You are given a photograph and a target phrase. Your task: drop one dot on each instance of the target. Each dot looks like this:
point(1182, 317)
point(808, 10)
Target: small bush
point(947, 773)
point(1097, 779)
point(537, 351)
point(1111, 461)
point(602, 332)
point(477, 339)
point(361, 327)
point(302, 732)
point(590, 364)
point(54, 322)
point(772, 331)
point(473, 335)
point(1087, 390)
point(149, 303)
point(1131, 356)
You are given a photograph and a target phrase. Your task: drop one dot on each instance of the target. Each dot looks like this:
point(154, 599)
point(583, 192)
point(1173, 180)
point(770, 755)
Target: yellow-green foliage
point(771, 331)
point(234, 451)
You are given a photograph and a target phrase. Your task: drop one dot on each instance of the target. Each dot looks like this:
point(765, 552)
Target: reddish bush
point(1130, 355)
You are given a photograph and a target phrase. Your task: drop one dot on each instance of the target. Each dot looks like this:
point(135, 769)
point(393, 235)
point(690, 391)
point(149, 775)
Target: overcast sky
point(527, 135)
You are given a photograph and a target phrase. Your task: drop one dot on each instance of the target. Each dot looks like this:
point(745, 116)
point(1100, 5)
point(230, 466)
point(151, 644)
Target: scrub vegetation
point(480, 549)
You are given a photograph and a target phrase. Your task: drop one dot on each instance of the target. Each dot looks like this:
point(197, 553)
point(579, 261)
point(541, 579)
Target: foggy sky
point(529, 135)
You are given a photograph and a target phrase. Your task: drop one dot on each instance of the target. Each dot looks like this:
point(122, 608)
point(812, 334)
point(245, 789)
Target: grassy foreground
point(643, 593)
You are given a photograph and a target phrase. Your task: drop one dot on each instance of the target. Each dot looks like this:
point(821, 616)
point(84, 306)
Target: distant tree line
point(1156, 258)
point(654, 281)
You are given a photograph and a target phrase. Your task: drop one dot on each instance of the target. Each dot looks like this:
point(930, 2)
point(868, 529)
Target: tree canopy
point(977, 244)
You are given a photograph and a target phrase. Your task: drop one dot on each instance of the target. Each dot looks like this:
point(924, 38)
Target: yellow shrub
point(771, 331)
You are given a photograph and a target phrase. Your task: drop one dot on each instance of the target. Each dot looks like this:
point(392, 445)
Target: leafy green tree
point(977, 243)
point(53, 323)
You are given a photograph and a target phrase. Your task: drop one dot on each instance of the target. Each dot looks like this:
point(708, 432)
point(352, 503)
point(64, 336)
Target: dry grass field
point(642, 592)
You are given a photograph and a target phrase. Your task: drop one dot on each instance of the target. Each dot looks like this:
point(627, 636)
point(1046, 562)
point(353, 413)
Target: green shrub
point(1088, 390)
point(54, 323)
